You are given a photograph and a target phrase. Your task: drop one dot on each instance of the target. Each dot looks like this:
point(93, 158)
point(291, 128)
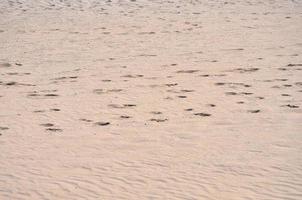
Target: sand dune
point(150, 99)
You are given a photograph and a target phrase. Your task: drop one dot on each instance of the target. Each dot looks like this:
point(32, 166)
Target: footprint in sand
point(290, 106)
point(85, 120)
point(233, 85)
point(102, 123)
point(156, 112)
point(205, 75)
point(106, 80)
point(63, 79)
point(55, 109)
point(129, 105)
point(17, 74)
point(102, 91)
point(125, 117)
point(5, 65)
point(245, 70)
point(158, 120)
point(241, 93)
point(132, 76)
point(253, 111)
point(202, 114)
point(50, 127)
point(231, 93)
point(298, 84)
point(47, 125)
point(11, 83)
point(39, 111)
point(37, 94)
point(246, 93)
point(171, 84)
point(54, 129)
point(187, 71)
point(291, 66)
point(220, 84)
point(3, 128)
point(295, 65)
point(51, 95)
point(187, 90)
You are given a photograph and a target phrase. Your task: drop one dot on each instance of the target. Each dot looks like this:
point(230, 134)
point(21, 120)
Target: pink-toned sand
point(151, 100)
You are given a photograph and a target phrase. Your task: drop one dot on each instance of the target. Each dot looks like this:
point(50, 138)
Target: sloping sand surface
point(151, 99)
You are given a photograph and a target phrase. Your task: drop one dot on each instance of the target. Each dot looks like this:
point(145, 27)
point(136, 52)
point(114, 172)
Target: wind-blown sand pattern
point(151, 99)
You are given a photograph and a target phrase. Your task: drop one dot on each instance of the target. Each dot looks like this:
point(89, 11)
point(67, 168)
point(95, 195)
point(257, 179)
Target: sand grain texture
point(150, 99)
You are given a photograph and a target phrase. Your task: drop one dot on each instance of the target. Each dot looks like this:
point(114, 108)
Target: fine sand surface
point(151, 99)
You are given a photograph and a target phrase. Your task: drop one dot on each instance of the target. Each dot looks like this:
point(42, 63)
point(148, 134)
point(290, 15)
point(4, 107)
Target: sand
point(151, 99)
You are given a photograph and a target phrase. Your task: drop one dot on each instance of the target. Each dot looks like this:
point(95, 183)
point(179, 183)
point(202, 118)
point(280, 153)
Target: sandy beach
point(150, 99)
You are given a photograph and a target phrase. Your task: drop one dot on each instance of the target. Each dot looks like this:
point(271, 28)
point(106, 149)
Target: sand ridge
point(150, 99)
